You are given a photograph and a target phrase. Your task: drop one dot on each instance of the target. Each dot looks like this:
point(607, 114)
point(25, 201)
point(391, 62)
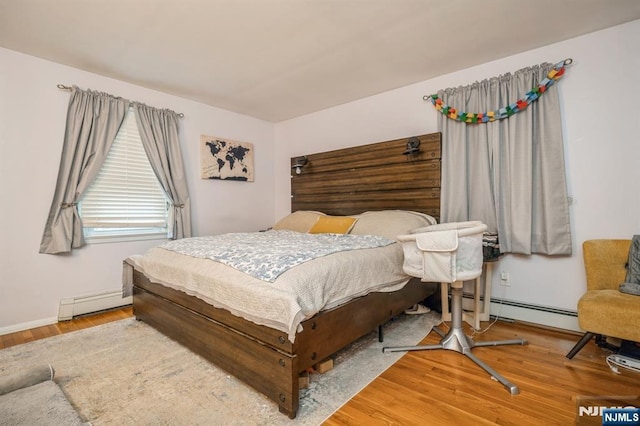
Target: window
point(125, 201)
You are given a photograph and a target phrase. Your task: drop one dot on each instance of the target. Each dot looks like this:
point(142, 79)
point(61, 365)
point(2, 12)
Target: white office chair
point(450, 253)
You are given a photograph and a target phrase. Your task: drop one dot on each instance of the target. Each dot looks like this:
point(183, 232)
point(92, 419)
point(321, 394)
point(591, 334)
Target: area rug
point(127, 373)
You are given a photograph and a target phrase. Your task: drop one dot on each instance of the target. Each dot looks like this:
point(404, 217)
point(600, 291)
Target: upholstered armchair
point(603, 310)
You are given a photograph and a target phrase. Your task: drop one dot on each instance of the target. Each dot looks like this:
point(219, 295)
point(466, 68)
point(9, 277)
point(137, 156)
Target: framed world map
point(226, 159)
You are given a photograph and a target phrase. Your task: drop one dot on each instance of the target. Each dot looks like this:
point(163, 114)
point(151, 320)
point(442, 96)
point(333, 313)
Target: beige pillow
point(299, 221)
point(390, 223)
point(333, 225)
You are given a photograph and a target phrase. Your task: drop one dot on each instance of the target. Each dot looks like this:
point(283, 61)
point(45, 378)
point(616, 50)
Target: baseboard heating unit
point(73, 307)
point(543, 315)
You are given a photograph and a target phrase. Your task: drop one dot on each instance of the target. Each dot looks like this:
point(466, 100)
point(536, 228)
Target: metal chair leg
point(456, 340)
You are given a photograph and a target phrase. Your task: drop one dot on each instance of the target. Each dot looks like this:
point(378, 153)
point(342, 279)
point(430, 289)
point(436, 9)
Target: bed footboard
point(273, 373)
point(262, 357)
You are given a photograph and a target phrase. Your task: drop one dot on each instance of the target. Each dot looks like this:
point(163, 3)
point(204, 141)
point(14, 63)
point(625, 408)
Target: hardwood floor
point(77, 323)
point(446, 388)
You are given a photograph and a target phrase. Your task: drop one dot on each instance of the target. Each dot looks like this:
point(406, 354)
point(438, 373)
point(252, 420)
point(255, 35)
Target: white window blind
point(125, 198)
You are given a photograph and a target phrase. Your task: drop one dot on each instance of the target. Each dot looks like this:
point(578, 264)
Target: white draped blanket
point(297, 294)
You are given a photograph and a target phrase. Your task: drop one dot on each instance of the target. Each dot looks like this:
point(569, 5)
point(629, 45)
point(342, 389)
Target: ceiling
point(279, 59)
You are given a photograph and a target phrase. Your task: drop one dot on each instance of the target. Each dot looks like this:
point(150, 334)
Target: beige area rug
point(126, 373)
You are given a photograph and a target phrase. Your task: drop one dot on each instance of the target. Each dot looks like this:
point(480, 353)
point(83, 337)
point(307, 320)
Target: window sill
point(106, 239)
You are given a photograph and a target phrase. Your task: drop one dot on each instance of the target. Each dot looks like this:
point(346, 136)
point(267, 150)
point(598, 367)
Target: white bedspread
point(295, 295)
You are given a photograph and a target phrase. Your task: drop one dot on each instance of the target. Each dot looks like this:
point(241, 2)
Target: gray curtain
point(93, 120)
point(159, 133)
point(509, 173)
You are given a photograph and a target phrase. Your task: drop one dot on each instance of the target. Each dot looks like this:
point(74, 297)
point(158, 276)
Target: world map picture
point(225, 159)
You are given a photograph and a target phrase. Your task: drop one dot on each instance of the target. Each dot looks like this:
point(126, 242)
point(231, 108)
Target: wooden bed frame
point(348, 181)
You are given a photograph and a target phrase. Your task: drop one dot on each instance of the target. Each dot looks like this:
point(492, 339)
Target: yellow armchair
point(603, 310)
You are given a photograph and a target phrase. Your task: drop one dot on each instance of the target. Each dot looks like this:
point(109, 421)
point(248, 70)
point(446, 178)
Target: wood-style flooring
point(62, 327)
point(446, 388)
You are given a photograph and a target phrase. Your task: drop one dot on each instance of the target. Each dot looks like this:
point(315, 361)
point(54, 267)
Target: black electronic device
point(630, 349)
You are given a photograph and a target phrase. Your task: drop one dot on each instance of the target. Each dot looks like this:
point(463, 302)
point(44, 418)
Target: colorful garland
point(484, 117)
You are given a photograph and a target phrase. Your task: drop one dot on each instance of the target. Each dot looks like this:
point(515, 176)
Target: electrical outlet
point(505, 279)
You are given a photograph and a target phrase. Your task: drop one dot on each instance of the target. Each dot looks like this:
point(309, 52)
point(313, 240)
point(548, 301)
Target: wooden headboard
point(371, 177)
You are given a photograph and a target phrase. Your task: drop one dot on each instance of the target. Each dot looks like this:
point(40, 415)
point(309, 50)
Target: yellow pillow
point(333, 225)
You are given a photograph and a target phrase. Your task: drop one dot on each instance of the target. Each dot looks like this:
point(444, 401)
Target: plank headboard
point(376, 176)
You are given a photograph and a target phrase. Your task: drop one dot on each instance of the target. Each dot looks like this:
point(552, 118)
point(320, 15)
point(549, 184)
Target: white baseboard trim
point(72, 307)
point(27, 325)
point(75, 306)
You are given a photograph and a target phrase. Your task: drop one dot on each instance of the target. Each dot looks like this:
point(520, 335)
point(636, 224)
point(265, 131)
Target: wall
point(598, 94)
point(602, 152)
point(32, 120)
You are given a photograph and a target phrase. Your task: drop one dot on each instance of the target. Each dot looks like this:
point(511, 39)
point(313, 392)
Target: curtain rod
point(68, 89)
point(566, 62)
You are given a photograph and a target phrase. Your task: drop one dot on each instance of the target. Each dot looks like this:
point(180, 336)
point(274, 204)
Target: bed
point(381, 193)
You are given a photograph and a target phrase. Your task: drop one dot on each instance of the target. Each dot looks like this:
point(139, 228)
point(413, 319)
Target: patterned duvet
point(266, 255)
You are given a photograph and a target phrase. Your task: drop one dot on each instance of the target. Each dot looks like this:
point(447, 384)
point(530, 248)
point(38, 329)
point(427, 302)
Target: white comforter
point(296, 294)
